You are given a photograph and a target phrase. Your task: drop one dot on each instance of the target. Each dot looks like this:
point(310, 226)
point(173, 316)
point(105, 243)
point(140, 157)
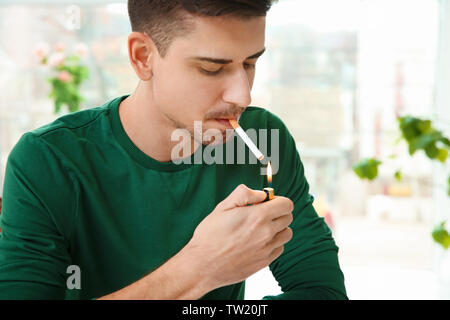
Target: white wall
point(442, 109)
point(442, 112)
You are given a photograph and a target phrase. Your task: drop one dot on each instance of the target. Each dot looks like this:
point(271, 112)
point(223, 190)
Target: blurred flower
point(81, 50)
point(66, 73)
point(56, 59)
point(60, 47)
point(65, 76)
point(41, 50)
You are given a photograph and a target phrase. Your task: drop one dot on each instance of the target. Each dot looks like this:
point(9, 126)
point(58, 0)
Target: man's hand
point(241, 236)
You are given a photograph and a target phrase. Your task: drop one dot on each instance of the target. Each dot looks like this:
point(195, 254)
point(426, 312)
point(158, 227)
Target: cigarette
point(246, 139)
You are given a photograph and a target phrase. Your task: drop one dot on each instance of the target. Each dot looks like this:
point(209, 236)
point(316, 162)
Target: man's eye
point(210, 73)
point(213, 73)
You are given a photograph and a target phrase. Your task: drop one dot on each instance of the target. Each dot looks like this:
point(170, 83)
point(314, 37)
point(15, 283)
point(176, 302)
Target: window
point(336, 72)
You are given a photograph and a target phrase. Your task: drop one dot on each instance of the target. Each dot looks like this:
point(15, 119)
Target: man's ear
point(141, 52)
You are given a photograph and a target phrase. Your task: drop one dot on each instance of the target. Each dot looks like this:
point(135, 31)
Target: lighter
point(269, 190)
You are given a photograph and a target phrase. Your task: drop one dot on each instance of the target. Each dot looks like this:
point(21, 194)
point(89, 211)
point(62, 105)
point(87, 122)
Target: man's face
point(191, 83)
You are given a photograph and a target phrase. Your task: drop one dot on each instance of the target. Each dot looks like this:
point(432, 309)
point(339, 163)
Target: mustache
point(233, 112)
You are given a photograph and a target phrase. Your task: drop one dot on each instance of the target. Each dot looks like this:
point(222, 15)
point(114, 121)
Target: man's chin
point(216, 139)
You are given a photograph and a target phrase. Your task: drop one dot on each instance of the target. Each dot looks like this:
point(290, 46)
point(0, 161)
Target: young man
point(98, 192)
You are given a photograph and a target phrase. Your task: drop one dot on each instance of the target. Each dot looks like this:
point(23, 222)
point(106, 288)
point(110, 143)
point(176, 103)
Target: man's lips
point(225, 123)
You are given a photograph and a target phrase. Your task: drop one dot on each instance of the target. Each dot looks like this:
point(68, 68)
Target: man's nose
point(238, 89)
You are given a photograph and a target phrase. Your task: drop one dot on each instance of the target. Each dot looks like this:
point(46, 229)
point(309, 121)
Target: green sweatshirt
point(78, 192)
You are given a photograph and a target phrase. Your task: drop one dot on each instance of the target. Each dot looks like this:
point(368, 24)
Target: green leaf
point(412, 146)
point(58, 104)
point(448, 184)
point(73, 59)
point(441, 236)
point(442, 155)
point(73, 106)
point(398, 175)
point(420, 135)
point(424, 126)
point(424, 141)
point(84, 72)
point(408, 126)
point(431, 151)
point(367, 168)
point(445, 141)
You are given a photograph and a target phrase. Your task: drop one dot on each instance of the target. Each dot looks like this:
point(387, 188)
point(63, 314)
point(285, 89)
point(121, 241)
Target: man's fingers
point(277, 207)
point(281, 238)
point(275, 253)
point(282, 222)
point(242, 196)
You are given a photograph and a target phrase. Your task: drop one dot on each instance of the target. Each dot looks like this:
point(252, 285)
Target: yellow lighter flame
point(269, 173)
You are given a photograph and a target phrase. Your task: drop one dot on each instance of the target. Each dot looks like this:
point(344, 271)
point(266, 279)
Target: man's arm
point(309, 266)
point(34, 244)
point(179, 278)
point(36, 221)
point(40, 207)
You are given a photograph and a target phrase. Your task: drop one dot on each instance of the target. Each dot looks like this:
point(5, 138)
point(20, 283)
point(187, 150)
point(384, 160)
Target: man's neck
point(146, 127)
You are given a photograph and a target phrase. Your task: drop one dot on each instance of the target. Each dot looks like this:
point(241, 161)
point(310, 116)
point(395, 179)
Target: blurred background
point(338, 73)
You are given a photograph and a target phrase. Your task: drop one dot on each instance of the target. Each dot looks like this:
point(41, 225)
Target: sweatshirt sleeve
point(34, 244)
point(308, 267)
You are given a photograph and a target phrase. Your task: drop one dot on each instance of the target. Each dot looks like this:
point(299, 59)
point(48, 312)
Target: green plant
point(367, 168)
point(419, 134)
point(441, 236)
point(67, 74)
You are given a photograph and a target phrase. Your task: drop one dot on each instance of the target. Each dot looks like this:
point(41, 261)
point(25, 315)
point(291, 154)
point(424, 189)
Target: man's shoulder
point(64, 133)
point(72, 121)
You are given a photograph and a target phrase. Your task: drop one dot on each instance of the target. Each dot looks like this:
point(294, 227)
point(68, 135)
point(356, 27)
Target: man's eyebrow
point(227, 61)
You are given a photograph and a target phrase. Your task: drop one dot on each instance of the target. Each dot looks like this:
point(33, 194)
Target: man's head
point(197, 57)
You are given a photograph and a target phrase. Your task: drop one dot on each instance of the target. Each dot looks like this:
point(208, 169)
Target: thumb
point(242, 196)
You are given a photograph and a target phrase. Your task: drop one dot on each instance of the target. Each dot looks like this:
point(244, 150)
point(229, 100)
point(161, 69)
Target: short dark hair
point(164, 20)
